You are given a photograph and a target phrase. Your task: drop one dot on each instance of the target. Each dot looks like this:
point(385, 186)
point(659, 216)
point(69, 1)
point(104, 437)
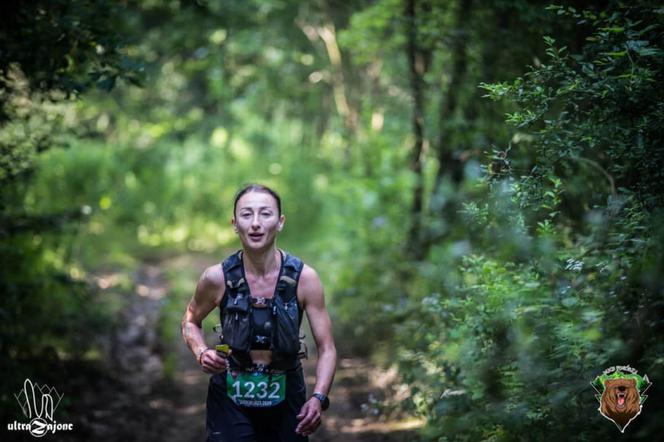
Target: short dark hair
point(254, 187)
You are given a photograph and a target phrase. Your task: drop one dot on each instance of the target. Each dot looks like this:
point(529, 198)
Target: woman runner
point(257, 391)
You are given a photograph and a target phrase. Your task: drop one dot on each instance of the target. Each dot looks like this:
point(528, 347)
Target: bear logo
point(620, 394)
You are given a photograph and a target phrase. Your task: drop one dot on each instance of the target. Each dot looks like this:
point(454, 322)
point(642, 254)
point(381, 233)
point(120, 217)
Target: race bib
point(254, 389)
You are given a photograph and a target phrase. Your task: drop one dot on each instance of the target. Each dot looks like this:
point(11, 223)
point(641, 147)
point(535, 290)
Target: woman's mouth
point(256, 236)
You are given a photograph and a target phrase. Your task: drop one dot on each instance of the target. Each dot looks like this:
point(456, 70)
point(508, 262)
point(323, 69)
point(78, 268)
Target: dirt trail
point(344, 421)
point(350, 417)
point(176, 406)
point(177, 403)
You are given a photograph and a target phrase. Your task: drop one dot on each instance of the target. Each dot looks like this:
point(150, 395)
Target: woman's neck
point(260, 262)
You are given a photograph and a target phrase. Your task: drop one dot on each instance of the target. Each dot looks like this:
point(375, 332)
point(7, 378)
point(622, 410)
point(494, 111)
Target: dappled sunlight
point(151, 292)
point(478, 185)
point(359, 426)
point(107, 281)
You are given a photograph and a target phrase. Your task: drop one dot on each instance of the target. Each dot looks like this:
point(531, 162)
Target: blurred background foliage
point(479, 184)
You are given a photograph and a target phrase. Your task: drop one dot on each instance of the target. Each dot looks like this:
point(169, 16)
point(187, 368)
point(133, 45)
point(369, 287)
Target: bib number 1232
point(256, 389)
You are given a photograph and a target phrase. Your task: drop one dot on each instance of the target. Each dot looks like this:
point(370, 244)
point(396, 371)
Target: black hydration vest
point(238, 319)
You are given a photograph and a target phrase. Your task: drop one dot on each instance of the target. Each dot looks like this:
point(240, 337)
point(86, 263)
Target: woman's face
point(257, 220)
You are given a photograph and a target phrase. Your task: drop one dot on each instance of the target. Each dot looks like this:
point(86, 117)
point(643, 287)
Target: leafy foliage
point(541, 219)
point(51, 51)
point(565, 246)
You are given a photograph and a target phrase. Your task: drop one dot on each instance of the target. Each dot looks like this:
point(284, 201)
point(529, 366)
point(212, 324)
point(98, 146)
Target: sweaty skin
point(257, 224)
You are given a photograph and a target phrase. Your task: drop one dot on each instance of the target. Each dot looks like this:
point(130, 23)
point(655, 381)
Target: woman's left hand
point(309, 417)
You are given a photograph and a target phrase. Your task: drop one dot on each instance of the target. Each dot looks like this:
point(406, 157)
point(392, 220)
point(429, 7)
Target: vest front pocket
point(236, 326)
point(286, 333)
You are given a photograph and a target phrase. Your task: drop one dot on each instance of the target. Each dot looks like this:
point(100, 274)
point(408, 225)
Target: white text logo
point(38, 404)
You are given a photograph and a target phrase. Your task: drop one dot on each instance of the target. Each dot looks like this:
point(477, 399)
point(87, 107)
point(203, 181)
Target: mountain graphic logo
point(38, 404)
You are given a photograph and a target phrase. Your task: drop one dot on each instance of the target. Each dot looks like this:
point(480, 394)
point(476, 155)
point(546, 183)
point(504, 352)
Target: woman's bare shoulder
point(212, 278)
point(309, 281)
point(308, 273)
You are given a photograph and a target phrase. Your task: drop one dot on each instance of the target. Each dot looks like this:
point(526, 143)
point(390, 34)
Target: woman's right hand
point(213, 362)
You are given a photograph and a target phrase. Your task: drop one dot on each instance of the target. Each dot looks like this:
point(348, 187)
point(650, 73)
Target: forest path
point(178, 402)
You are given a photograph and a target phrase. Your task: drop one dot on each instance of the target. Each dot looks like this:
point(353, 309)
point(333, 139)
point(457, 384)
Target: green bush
point(560, 281)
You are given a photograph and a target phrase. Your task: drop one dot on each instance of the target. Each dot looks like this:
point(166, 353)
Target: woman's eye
point(266, 213)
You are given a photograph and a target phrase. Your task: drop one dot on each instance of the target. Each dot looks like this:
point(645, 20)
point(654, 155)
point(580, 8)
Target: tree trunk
point(418, 63)
point(448, 164)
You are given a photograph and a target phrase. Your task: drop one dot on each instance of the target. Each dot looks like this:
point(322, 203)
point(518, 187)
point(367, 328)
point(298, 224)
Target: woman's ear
point(282, 219)
point(234, 225)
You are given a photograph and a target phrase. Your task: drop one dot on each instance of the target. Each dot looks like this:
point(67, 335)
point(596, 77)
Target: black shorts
point(228, 422)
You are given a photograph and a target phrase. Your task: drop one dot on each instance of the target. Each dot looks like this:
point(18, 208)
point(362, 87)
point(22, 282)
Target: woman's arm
point(310, 291)
point(208, 294)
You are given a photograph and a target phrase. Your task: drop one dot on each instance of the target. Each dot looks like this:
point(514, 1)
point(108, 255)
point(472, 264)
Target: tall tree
point(418, 64)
